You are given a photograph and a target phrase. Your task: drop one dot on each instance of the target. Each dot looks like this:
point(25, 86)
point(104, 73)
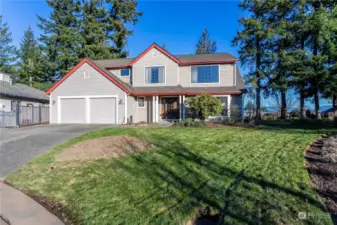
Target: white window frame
point(125, 69)
point(155, 83)
point(228, 103)
point(138, 102)
point(205, 83)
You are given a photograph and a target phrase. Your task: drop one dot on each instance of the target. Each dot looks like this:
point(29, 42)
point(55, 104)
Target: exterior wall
point(5, 103)
point(171, 69)
point(117, 73)
point(77, 85)
point(226, 77)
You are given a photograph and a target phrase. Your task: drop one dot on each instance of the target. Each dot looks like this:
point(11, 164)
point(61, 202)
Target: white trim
point(153, 109)
point(228, 103)
point(157, 108)
point(183, 107)
point(234, 81)
point(219, 82)
point(151, 84)
point(178, 74)
point(125, 108)
point(144, 102)
point(50, 108)
point(87, 105)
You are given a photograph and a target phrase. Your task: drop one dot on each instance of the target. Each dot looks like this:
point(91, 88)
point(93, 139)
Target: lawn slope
point(249, 176)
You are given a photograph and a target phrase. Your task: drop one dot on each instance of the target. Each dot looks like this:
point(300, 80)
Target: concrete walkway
point(19, 209)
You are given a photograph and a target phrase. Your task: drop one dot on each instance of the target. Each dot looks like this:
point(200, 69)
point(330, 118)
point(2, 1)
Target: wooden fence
point(25, 116)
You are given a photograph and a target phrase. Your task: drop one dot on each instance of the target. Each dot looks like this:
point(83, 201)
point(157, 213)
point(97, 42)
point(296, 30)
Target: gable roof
point(103, 66)
point(21, 91)
point(125, 87)
point(182, 60)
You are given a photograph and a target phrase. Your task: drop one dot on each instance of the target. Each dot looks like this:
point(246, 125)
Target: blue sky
point(177, 23)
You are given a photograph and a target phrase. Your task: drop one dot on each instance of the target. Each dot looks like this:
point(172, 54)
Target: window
point(224, 101)
point(155, 75)
point(205, 74)
point(125, 72)
point(141, 102)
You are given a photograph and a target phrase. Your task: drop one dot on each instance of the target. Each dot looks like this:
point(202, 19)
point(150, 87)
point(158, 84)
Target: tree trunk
point(316, 99)
point(258, 104)
point(283, 104)
point(334, 105)
point(258, 89)
point(302, 110)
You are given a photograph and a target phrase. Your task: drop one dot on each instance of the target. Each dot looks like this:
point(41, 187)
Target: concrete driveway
point(20, 145)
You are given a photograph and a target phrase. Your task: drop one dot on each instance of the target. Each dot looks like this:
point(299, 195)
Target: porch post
point(183, 107)
point(153, 109)
point(229, 106)
point(157, 109)
point(180, 114)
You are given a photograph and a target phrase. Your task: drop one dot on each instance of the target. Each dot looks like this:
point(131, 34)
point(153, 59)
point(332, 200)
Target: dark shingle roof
point(21, 91)
point(106, 63)
point(113, 62)
point(205, 57)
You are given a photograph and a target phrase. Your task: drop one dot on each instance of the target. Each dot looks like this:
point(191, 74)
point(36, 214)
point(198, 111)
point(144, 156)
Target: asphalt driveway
point(20, 145)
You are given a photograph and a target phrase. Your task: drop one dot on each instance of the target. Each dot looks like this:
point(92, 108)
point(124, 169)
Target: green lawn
point(250, 176)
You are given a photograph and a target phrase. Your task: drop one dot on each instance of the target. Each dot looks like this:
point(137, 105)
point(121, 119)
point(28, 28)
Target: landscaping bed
point(323, 172)
point(235, 175)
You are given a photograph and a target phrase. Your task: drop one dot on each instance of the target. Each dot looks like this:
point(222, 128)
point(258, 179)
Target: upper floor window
point(125, 72)
point(155, 75)
point(205, 74)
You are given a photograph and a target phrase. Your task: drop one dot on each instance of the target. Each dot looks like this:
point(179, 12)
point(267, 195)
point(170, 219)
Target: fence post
point(40, 119)
point(17, 114)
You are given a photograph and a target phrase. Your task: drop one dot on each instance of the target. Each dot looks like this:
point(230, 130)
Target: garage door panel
point(103, 110)
point(73, 110)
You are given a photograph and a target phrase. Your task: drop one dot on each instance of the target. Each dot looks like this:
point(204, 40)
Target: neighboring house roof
point(21, 91)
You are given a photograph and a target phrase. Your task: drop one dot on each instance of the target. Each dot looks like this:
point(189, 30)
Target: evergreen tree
point(319, 37)
point(8, 53)
point(121, 14)
point(31, 68)
point(279, 19)
point(61, 36)
point(253, 45)
point(93, 38)
point(205, 45)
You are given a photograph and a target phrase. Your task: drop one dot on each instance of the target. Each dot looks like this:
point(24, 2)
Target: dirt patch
point(105, 147)
point(323, 175)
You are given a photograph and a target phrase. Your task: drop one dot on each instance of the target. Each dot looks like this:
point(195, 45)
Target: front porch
point(173, 108)
point(168, 108)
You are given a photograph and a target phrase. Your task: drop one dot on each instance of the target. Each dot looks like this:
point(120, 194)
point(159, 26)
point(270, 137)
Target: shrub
point(329, 150)
point(204, 105)
point(189, 122)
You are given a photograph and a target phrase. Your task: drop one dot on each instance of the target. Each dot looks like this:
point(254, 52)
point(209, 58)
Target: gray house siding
point(226, 77)
point(117, 73)
point(155, 58)
point(79, 85)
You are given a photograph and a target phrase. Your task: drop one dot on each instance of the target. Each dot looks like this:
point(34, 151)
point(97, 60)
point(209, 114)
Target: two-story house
point(151, 87)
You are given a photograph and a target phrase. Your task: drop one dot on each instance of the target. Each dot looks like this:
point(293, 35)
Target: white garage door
point(103, 110)
point(72, 110)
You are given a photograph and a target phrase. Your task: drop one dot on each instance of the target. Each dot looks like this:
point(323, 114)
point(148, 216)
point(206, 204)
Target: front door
point(170, 108)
